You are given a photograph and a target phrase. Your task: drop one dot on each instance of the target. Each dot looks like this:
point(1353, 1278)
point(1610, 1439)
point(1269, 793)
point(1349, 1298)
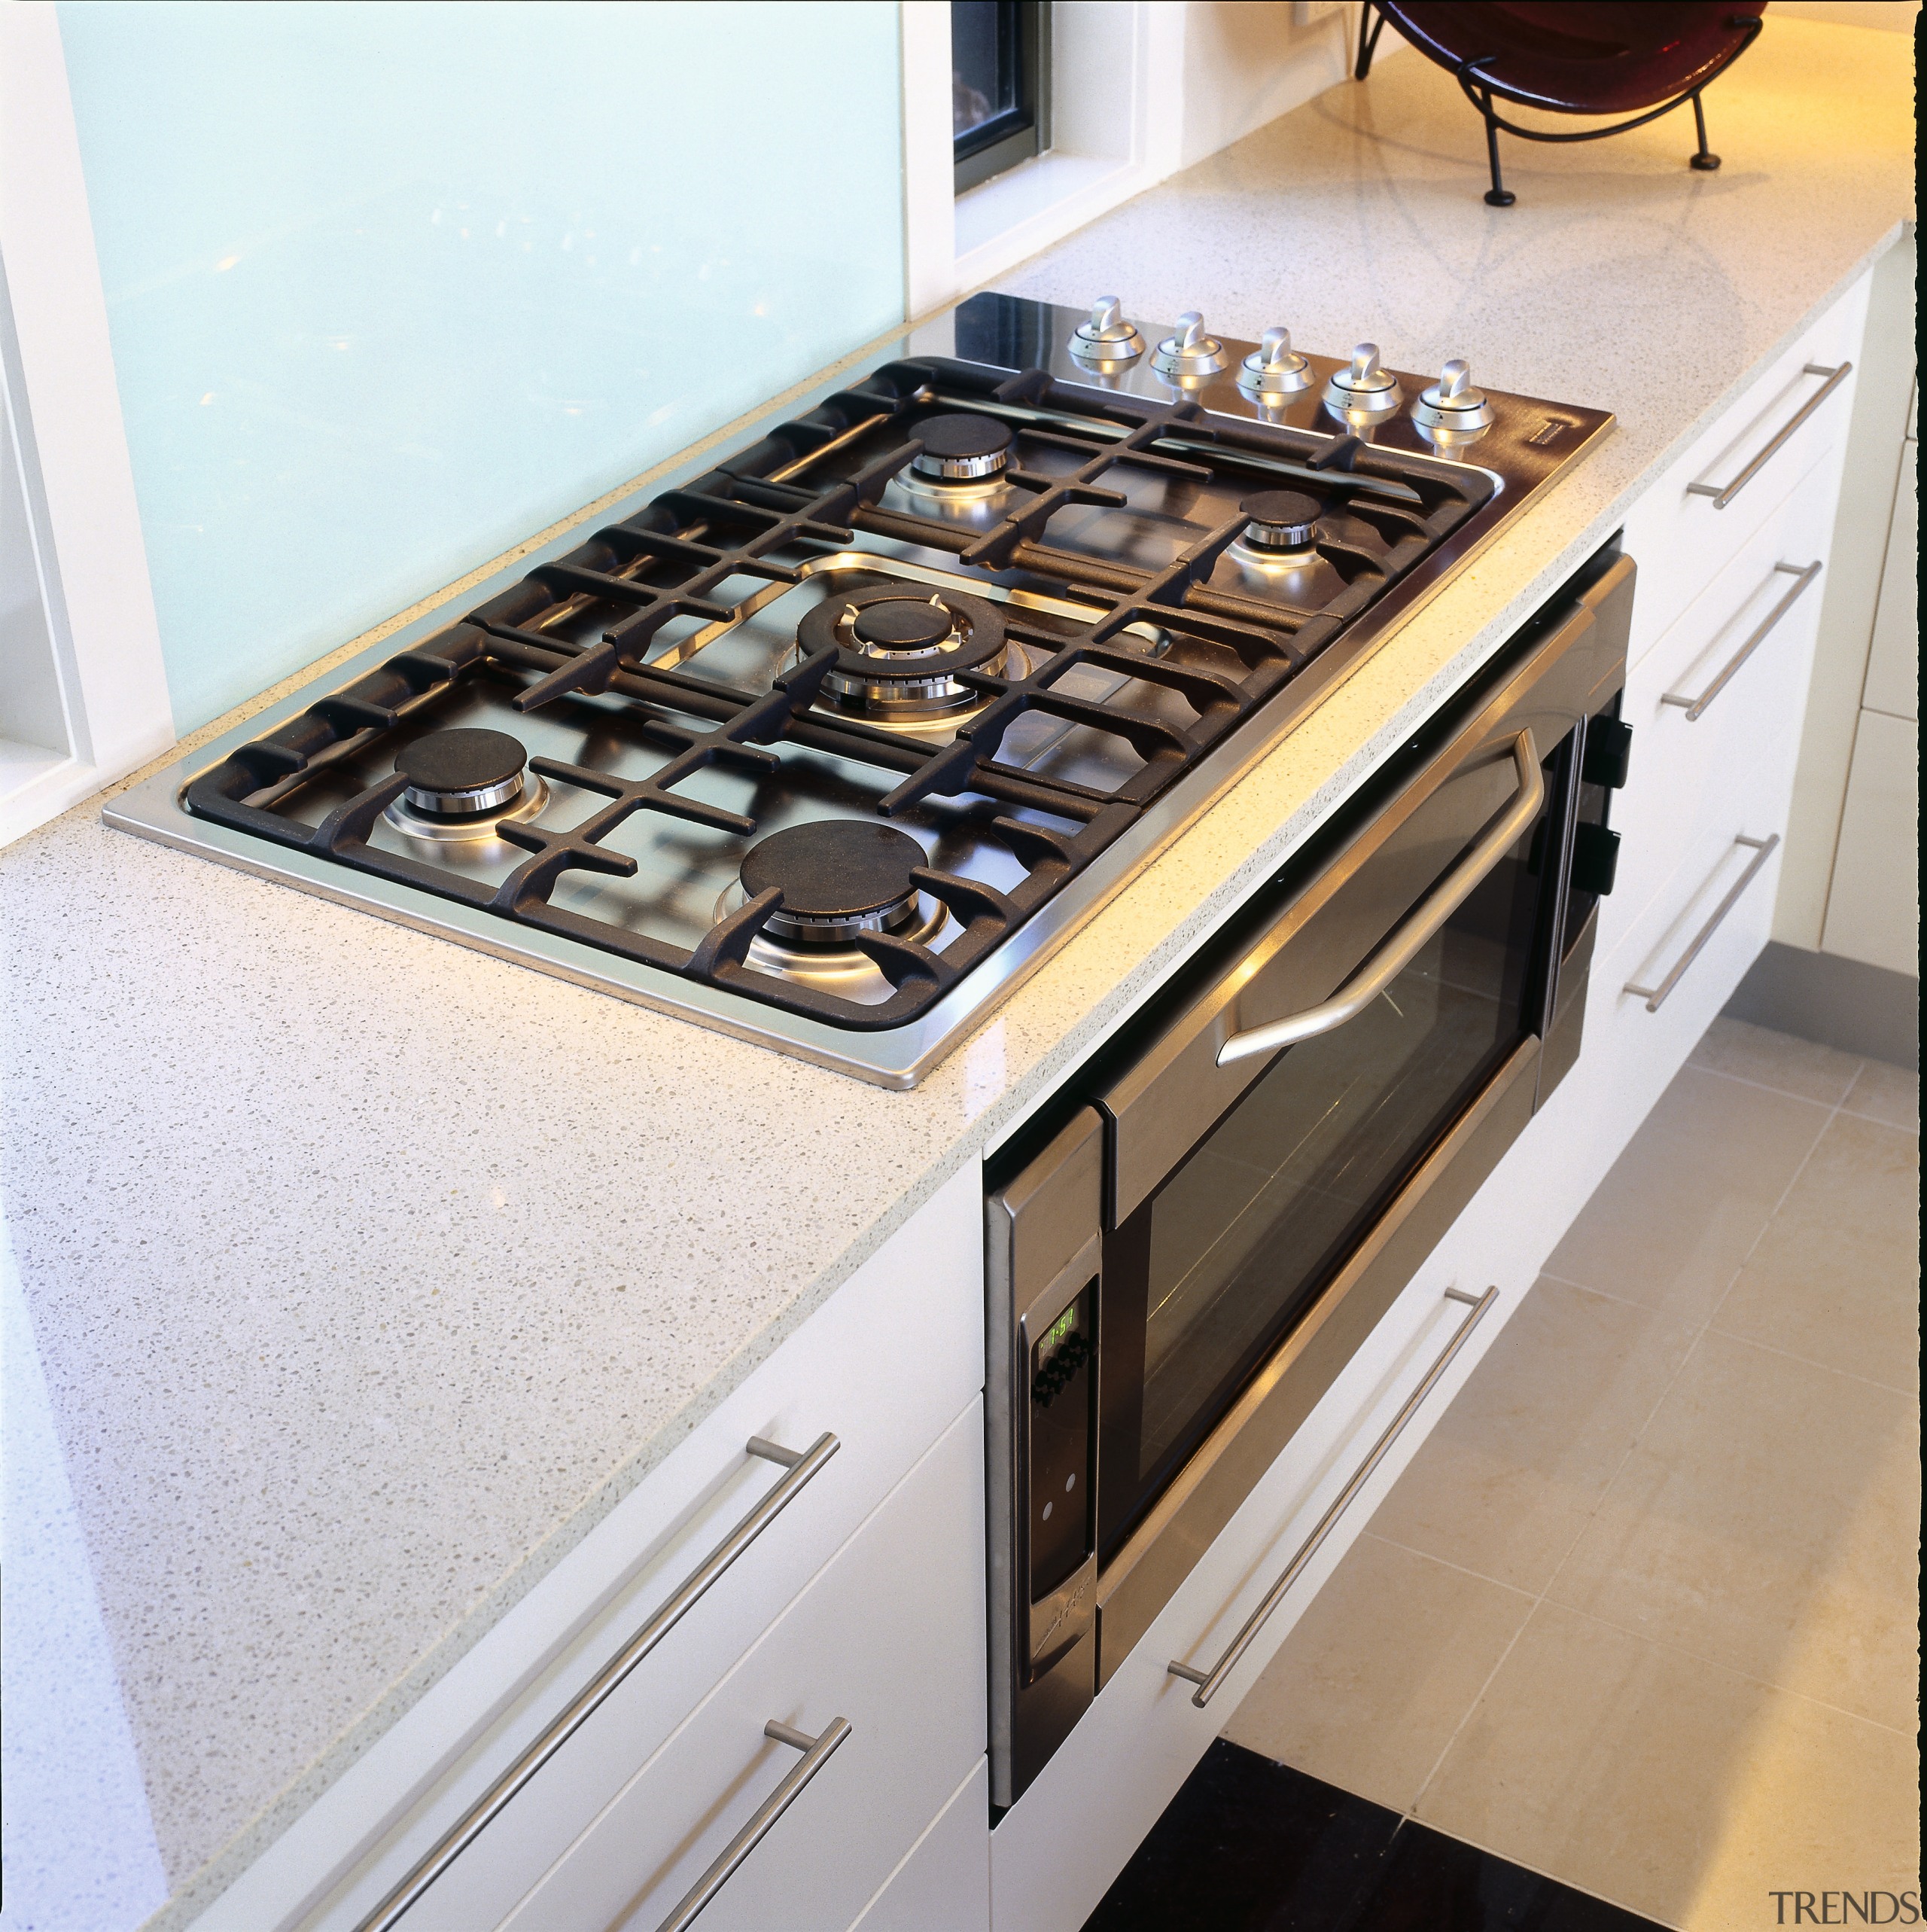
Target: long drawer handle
point(816, 1754)
point(1208, 1682)
point(1655, 996)
point(1402, 947)
point(800, 1466)
point(1723, 494)
point(1693, 706)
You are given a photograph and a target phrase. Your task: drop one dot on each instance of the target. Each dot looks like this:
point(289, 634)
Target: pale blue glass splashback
point(392, 286)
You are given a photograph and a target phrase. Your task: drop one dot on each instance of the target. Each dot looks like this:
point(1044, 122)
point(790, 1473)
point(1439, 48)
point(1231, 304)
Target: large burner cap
point(901, 625)
point(839, 877)
point(456, 772)
point(900, 648)
point(1281, 520)
point(961, 449)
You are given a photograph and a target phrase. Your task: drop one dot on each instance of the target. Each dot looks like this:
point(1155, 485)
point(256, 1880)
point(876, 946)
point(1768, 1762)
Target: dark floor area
point(1248, 1845)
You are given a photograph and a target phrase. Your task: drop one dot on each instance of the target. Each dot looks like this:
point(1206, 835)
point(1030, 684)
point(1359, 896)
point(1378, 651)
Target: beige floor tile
point(1836, 1277)
point(1670, 1224)
point(1767, 1521)
point(1767, 1059)
point(1886, 1093)
point(1368, 1689)
point(1519, 1461)
point(1821, 1802)
point(1648, 1777)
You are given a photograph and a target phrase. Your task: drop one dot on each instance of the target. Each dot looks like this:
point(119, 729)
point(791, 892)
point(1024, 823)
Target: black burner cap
point(902, 623)
point(1281, 506)
point(834, 868)
point(875, 611)
point(457, 761)
point(956, 437)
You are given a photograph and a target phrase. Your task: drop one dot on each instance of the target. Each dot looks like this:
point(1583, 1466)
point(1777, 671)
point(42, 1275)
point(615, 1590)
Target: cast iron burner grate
point(584, 634)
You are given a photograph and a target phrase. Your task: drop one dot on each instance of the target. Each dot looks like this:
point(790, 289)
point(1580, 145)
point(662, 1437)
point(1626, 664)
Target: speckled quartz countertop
point(367, 1271)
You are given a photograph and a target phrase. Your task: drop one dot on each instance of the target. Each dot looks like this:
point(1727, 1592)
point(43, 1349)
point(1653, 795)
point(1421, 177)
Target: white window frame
point(1139, 88)
point(70, 445)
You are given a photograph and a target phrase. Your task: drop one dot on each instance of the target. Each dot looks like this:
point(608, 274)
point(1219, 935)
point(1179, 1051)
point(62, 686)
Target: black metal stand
point(1480, 90)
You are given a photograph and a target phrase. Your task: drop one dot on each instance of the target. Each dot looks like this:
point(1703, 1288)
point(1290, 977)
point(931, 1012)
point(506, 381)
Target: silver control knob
point(1273, 369)
point(1190, 353)
point(1364, 389)
point(1452, 403)
point(1106, 337)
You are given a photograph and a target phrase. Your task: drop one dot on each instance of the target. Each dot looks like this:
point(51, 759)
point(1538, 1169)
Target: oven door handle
point(1400, 949)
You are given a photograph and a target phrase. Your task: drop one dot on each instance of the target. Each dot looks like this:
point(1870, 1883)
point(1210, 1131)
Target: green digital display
point(1065, 1324)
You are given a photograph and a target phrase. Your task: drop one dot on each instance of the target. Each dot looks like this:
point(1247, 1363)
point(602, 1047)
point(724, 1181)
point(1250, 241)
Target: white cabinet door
point(1874, 904)
point(1893, 665)
point(1742, 648)
point(891, 1639)
point(1680, 536)
point(945, 1883)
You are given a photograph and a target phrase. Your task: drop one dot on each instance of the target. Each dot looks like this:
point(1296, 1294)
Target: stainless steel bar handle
point(1723, 493)
point(816, 1753)
point(1655, 996)
point(801, 1467)
point(1208, 1682)
point(1694, 707)
point(1402, 947)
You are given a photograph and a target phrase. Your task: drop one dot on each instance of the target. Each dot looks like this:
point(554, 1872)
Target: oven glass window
point(1236, 1244)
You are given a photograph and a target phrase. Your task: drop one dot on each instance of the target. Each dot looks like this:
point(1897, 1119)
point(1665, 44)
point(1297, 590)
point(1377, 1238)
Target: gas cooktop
point(829, 742)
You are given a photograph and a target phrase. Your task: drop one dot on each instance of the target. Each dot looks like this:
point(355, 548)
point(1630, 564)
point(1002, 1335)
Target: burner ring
point(1281, 520)
point(892, 660)
point(459, 774)
point(961, 449)
point(839, 877)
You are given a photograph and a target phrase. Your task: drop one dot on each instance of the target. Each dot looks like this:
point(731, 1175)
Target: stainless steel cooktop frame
point(1508, 454)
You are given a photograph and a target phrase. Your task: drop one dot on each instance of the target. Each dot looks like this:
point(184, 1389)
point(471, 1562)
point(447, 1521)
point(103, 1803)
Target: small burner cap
point(961, 449)
point(1281, 520)
point(839, 877)
point(450, 772)
point(902, 624)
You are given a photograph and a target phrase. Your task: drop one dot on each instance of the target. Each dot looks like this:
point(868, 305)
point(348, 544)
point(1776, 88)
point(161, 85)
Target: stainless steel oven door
point(1212, 1221)
point(1284, 1154)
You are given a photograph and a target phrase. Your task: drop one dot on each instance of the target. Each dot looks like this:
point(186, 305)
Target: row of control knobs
point(1361, 392)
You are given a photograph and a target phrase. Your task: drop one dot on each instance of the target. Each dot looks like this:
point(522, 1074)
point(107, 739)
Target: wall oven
point(1187, 1248)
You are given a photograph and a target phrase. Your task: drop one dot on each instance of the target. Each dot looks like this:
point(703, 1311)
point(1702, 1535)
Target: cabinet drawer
point(945, 1883)
point(888, 1639)
point(1053, 1854)
point(1693, 935)
point(1717, 703)
point(1681, 536)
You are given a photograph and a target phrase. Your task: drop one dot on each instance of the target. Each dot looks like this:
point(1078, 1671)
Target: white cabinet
point(944, 1885)
point(1893, 665)
point(1873, 909)
point(888, 1639)
point(1789, 420)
